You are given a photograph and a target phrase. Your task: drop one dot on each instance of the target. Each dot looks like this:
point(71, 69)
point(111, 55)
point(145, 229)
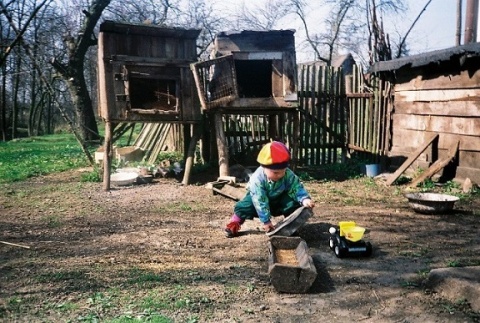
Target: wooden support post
point(437, 166)
point(411, 159)
point(295, 140)
point(107, 155)
point(273, 127)
point(221, 145)
point(191, 154)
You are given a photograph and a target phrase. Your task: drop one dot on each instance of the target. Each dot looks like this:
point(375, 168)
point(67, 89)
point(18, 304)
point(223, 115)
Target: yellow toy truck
point(346, 240)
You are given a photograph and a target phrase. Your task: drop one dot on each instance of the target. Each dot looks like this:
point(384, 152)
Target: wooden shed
point(249, 73)
point(436, 110)
point(249, 70)
point(144, 73)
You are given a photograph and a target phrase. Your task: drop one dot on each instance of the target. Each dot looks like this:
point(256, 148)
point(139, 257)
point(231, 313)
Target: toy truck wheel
point(339, 252)
point(369, 249)
point(331, 242)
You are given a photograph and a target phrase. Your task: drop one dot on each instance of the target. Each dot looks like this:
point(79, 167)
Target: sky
point(435, 29)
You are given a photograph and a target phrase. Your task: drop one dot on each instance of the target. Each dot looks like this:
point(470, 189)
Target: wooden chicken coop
point(144, 76)
point(250, 72)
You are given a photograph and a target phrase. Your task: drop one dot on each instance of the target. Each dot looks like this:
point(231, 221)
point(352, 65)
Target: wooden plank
point(15, 245)
point(407, 138)
point(320, 107)
point(221, 145)
point(151, 61)
point(411, 159)
point(360, 95)
point(277, 78)
point(440, 124)
point(159, 144)
point(468, 158)
point(397, 160)
point(199, 85)
point(153, 112)
point(107, 155)
point(191, 153)
point(437, 95)
point(467, 108)
point(105, 84)
point(465, 79)
point(224, 189)
point(436, 166)
point(400, 154)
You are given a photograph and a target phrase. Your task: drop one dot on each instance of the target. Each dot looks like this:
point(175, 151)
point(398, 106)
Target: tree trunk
point(73, 71)
point(15, 108)
point(3, 107)
point(48, 119)
point(33, 99)
point(82, 102)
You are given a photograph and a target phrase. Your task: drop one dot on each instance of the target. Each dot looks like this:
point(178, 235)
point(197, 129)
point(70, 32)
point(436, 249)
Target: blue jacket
point(262, 190)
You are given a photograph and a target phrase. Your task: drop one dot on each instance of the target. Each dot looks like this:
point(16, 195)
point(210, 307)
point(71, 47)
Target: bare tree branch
point(402, 42)
point(52, 92)
point(19, 33)
point(299, 5)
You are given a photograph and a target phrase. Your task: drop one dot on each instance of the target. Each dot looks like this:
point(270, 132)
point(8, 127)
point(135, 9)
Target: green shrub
point(95, 176)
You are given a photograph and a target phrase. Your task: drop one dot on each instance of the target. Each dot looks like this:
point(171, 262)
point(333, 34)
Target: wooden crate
point(290, 267)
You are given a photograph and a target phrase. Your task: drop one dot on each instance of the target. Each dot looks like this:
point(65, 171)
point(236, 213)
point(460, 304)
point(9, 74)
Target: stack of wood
point(155, 138)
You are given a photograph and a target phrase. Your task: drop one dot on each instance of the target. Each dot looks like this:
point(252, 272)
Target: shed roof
point(255, 40)
point(426, 58)
point(111, 26)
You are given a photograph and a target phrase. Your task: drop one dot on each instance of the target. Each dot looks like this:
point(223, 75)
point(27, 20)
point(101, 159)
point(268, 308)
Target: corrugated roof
point(426, 58)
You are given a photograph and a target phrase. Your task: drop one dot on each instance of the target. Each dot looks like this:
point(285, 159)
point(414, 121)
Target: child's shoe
point(232, 229)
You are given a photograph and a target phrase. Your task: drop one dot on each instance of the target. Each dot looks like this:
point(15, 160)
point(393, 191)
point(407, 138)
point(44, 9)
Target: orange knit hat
point(274, 155)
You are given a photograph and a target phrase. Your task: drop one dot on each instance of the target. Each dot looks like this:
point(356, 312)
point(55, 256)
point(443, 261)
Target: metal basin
point(123, 178)
point(431, 203)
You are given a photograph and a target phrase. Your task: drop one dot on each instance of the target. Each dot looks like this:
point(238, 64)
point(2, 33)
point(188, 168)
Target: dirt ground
point(106, 254)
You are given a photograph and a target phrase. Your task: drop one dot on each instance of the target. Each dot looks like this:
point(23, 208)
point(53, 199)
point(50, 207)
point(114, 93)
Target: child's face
point(274, 174)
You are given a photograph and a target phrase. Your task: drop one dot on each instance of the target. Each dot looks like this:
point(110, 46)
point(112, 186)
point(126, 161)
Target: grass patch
point(178, 206)
point(62, 276)
point(24, 158)
point(146, 316)
point(177, 298)
point(141, 277)
point(94, 176)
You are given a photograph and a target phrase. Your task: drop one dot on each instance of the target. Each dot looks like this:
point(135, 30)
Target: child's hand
point(268, 226)
point(308, 203)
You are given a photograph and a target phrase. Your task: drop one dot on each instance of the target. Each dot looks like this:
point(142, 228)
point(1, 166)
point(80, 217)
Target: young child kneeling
point(273, 190)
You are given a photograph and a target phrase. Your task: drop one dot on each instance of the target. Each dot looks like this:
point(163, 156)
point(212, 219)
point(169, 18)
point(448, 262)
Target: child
point(273, 189)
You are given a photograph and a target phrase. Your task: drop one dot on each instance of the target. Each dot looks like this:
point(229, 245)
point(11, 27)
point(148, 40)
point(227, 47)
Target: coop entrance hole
point(254, 78)
point(153, 94)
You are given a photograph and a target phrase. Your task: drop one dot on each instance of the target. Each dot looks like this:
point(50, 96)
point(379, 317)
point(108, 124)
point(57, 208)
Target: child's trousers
point(282, 205)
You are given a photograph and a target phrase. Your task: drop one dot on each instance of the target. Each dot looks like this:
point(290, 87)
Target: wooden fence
point(246, 134)
point(337, 117)
point(370, 105)
point(323, 118)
